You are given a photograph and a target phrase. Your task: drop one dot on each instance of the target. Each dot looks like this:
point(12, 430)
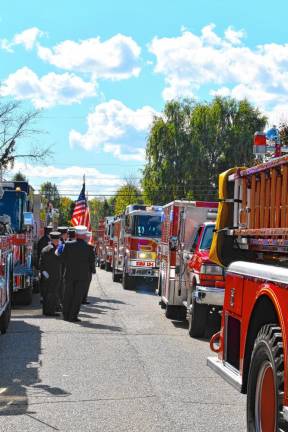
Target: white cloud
point(27, 38)
point(115, 58)
point(69, 180)
point(225, 64)
point(116, 129)
point(234, 36)
point(48, 90)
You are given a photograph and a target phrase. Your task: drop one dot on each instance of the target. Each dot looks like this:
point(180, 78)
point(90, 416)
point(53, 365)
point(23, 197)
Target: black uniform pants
point(87, 287)
point(50, 289)
point(73, 296)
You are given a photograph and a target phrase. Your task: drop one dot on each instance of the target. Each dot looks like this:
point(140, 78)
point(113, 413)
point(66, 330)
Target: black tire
point(23, 297)
point(127, 281)
point(162, 304)
point(160, 285)
point(102, 265)
point(171, 312)
point(5, 318)
point(115, 276)
point(197, 319)
point(266, 377)
point(107, 266)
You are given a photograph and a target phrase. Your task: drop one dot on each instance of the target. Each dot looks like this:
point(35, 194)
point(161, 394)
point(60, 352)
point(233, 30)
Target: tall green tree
point(191, 143)
point(19, 177)
point(221, 137)
point(125, 195)
point(49, 193)
point(169, 154)
point(65, 211)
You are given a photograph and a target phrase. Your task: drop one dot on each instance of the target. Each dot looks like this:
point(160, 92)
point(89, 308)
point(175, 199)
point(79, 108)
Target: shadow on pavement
point(20, 351)
point(94, 326)
point(103, 300)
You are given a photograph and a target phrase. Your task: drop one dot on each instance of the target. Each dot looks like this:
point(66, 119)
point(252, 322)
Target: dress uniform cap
point(71, 230)
point(62, 229)
point(55, 235)
point(81, 230)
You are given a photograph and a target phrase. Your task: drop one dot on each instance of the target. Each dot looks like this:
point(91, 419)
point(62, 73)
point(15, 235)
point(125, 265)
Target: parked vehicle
point(206, 282)
point(99, 243)
point(118, 247)
point(6, 274)
point(135, 245)
point(184, 250)
point(19, 202)
point(251, 239)
point(108, 243)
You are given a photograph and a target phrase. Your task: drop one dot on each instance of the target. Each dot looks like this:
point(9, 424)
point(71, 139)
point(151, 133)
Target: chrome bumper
point(227, 372)
point(209, 295)
point(144, 272)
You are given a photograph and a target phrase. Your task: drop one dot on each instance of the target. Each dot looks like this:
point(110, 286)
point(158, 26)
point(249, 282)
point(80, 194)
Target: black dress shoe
point(85, 302)
point(74, 320)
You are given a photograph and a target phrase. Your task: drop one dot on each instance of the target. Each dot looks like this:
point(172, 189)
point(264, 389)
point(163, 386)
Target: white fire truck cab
point(180, 233)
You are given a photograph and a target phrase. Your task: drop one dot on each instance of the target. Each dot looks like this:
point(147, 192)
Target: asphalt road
point(125, 367)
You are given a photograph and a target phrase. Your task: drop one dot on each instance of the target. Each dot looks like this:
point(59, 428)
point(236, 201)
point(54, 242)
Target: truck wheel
point(127, 281)
point(197, 319)
point(107, 266)
point(115, 276)
point(23, 297)
point(5, 318)
point(171, 312)
point(266, 382)
point(159, 286)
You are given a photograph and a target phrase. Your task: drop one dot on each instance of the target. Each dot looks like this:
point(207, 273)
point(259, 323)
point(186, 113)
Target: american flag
point(81, 213)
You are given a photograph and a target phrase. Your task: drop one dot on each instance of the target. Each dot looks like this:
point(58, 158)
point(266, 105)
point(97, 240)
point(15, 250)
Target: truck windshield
point(146, 226)
point(207, 237)
point(12, 204)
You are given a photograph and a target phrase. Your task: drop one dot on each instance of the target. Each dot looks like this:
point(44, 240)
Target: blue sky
point(99, 71)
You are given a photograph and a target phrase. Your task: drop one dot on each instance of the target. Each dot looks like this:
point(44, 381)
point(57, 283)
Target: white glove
point(45, 274)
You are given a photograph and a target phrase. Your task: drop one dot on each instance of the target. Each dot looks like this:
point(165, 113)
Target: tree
point(16, 124)
point(98, 210)
point(19, 177)
point(65, 211)
point(50, 193)
point(192, 143)
point(125, 195)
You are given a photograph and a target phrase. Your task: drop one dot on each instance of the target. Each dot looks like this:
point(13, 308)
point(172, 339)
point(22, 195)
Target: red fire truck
point(6, 273)
point(18, 203)
point(99, 243)
point(187, 279)
point(108, 243)
point(252, 240)
point(135, 250)
point(118, 247)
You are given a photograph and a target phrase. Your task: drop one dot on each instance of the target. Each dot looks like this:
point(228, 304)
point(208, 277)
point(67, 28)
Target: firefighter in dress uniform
point(93, 268)
point(43, 241)
point(79, 264)
point(64, 235)
point(50, 269)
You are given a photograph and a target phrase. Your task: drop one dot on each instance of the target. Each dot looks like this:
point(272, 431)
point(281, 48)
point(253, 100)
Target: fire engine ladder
point(261, 210)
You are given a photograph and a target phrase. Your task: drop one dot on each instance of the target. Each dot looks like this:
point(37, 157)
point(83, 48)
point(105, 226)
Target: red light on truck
point(259, 146)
